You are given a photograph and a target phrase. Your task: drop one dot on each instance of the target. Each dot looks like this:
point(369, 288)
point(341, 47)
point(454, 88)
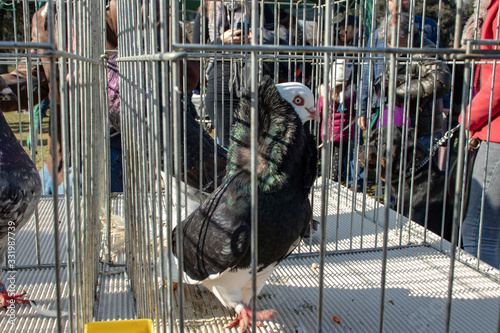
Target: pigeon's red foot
point(244, 317)
point(6, 299)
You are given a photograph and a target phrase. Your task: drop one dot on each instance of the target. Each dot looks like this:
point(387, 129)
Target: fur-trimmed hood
point(470, 25)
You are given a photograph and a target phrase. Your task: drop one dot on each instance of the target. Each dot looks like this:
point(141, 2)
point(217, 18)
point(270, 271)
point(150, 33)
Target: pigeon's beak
point(313, 114)
point(7, 95)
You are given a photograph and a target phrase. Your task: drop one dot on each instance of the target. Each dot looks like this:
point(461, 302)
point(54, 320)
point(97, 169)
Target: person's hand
point(362, 123)
point(392, 6)
point(378, 91)
point(378, 85)
point(227, 37)
point(400, 79)
point(235, 37)
point(386, 82)
point(393, 9)
point(336, 92)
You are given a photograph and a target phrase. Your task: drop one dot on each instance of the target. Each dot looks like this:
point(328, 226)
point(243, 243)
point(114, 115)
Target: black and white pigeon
point(216, 243)
point(20, 188)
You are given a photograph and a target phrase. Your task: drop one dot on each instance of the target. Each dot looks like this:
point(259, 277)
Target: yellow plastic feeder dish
point(121, 326)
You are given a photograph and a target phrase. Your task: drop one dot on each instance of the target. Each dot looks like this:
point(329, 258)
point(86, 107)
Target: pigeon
point(216, 236)
point(20, 189)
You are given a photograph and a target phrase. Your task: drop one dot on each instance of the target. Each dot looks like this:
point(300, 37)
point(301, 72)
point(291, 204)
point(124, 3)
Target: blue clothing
point(377, 68)
point(115, 159)
point(490, 233)
point(115, 164)
point(116, 176)
point(48, 184)
point(430, 29)
point(352, 166)
point(44, 107)
point(116, 170)
point(425, 140)
point(360, 172)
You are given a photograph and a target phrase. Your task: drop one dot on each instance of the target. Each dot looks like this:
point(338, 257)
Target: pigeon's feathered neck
point(278, 124)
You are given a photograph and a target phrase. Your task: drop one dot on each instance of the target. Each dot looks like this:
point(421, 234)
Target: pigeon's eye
point(298, 101)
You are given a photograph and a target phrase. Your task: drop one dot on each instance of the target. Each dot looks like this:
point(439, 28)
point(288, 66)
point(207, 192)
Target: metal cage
point(89, 254)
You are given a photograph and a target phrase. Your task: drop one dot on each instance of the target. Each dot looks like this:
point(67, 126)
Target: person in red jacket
point(481, 226)
point(341, 117)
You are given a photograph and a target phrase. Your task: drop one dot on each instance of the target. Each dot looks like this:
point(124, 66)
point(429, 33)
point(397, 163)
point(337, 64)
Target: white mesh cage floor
point(416, 282)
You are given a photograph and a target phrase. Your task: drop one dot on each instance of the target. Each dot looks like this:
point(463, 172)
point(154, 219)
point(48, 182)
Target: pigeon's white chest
point(235, 286)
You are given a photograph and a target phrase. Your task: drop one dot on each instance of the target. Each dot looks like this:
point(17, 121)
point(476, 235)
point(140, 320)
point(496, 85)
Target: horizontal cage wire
point(304, 164)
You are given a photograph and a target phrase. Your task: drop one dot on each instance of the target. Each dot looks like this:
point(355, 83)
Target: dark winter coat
point(422, 88)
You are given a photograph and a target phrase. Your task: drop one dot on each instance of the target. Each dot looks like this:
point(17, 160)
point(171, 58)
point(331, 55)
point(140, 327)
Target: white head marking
point(301, 98)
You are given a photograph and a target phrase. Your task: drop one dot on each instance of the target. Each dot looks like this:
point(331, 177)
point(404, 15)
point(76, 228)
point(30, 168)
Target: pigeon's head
point(6, 94)
point(301, 99)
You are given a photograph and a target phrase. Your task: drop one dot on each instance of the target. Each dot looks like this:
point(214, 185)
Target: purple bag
point(399, 117)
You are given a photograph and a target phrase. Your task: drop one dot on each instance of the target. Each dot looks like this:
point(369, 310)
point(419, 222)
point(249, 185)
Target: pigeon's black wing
point(20, 185)
point(217, 234)
point(18, 199)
